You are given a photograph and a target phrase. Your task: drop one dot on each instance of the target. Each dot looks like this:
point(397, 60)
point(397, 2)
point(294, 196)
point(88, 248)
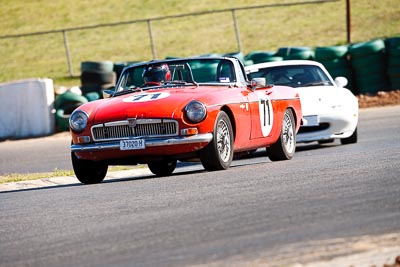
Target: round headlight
point(78, 121)
point(195, 111)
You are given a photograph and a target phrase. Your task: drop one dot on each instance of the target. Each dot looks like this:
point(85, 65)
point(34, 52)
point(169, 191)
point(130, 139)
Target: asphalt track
point(328, 201)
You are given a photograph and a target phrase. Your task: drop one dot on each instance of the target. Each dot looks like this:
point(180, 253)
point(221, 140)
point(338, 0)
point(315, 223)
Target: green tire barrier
point(65, 104)
point(392, 42)
point(331, 52)
point(91, 96)
point(394, 77)
point(366, 48)
point(306, 55)
point(395, 83)
point(374, 62)
point(286, 51)
point(393, 61)
point(335, 60)
point(270, 59)
point(62, 121)
point(68, 97)
point(333, 64)
point(373, 83)
point(259, 56)
point(368, 60)
point(394, 71)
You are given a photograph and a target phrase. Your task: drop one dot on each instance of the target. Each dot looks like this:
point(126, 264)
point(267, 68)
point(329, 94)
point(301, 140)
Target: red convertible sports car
point(200, 108)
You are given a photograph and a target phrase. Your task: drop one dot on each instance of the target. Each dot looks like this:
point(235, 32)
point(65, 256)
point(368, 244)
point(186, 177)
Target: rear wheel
point(162, 168)
point(352, 139)
point(218, 154)
point(285, 147)
point(87, 171)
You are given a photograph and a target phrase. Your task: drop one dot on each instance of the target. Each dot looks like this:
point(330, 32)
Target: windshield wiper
point(316, 83)
point(131, 89)
point(181, 82)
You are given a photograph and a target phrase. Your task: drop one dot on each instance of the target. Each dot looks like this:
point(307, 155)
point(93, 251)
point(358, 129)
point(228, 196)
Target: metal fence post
point(153, 48)
point(239, 42)
point(348, 21)
point(71, 71)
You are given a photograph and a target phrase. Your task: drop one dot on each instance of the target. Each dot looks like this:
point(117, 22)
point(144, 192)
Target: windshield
point(177, 72)
point(293, 75)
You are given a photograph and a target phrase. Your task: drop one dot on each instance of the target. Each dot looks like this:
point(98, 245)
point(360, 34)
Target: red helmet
point(156, 73)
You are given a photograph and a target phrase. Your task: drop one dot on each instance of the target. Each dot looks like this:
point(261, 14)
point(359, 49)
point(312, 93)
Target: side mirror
point(258, 83)
point(108, 93)
point(341, 81)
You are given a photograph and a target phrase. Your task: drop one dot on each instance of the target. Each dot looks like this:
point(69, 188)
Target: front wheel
point(218, 154)
point(87, 171)
point(285, 147)
point(162, 168)
point(352, 139)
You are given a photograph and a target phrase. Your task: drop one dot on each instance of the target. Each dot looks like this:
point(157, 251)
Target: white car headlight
point(195, 111)
point(78, 121)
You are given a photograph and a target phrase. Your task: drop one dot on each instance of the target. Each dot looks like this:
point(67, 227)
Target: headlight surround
point(78, 121)
point(195, 111)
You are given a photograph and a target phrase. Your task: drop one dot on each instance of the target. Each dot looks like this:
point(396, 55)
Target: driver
point(154, 75)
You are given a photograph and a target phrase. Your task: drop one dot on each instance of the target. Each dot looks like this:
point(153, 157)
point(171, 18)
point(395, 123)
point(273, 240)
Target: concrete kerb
point(69, 180)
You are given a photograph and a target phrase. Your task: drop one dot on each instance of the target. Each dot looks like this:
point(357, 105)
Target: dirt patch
point(382, 98)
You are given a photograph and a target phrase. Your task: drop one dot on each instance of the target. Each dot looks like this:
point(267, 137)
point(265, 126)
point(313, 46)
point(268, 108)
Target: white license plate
point(132, 144)
point(311, 120)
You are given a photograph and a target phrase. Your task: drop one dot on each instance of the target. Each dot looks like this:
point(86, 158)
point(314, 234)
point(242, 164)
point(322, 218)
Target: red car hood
point(163, 103)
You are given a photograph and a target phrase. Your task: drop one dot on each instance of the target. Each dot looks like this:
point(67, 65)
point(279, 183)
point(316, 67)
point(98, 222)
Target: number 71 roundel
point(266, 114)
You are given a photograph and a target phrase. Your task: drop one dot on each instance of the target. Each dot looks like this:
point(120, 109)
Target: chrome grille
point(139, 128)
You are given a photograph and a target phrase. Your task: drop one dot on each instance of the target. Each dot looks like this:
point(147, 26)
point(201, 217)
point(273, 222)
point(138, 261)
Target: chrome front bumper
point(200, 138)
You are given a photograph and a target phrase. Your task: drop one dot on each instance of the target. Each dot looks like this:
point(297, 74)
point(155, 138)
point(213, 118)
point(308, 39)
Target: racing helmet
point(156, 73)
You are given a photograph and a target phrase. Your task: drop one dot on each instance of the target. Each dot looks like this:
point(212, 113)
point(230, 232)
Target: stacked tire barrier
point(65, 104)
point(96, 77)
point(291, 53)
point(393, 62)
point(335, 60)
point(368, 60)
point(256, 57)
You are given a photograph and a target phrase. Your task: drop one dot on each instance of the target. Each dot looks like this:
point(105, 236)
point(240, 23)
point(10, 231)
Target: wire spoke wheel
point(285, 147)
point(218, 154)
point(289, 140)
point(223, 141)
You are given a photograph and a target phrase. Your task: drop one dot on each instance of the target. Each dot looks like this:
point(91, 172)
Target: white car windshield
point(293, 75)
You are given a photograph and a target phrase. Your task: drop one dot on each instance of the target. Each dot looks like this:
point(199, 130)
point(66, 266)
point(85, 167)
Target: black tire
point(352, 139)
point(89, 172)
point(93, 77)
point(162, 168)
point(218, 154)
point(101, 66)
point(285, 147)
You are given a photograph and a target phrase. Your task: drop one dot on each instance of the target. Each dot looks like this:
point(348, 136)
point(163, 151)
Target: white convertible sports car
point(330, 111)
